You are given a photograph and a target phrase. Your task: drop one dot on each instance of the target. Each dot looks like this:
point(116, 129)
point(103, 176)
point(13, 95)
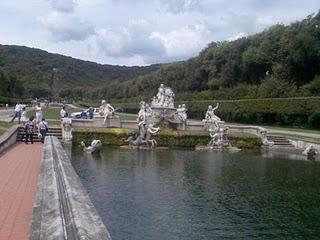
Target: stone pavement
point(6, 114)
point(19, 168)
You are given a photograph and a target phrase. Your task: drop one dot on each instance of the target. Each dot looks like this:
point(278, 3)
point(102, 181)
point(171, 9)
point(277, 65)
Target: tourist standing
point(17, 112)
point(23, 117)
point(63, 112)
point(38, 113)
point(29, 129)
point(91, 110)
point(43, 129)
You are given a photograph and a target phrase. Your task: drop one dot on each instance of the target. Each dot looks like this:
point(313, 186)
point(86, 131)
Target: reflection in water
point(181, 194)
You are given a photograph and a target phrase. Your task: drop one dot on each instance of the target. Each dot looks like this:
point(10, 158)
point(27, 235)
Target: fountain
point(217, 133)
point(150, 116)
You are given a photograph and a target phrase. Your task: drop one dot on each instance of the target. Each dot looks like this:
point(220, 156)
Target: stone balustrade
point(63, 209)
point(8, 138)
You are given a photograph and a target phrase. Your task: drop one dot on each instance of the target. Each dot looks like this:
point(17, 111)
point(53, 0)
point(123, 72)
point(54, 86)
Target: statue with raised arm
point(181, 113)
point(106, 110)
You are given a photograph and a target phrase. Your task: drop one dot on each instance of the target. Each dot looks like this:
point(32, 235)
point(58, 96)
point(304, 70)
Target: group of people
point(31, 124)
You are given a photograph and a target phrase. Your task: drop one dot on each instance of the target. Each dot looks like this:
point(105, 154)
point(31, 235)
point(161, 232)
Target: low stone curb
point(63, 209)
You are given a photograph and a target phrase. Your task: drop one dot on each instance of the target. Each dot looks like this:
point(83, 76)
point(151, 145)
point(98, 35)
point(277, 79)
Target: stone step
point(280, 141)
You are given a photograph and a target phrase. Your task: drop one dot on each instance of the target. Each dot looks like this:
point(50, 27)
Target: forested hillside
point(282, 61)
point(28, 72)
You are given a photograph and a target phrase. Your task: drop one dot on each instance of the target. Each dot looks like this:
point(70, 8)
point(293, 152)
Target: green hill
point(28, 72)
point(282, 61)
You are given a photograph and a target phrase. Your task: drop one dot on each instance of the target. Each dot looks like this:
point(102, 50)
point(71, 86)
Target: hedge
point(272, 111)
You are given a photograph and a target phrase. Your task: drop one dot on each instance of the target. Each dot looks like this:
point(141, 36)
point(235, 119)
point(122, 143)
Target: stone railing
point(8, 138)
point(62, 209)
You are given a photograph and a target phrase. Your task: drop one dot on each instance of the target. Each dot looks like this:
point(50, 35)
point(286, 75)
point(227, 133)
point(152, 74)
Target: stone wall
point(63, 209)
point(166, 137)
point(8, 138)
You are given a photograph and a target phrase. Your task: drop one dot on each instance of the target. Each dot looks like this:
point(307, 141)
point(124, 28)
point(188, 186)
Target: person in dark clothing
point(91, 110)
point(43, 128)
point(29, 129)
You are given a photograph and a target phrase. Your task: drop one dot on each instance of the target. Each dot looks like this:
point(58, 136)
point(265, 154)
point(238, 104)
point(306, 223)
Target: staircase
point(280, 141)
point(52, 131)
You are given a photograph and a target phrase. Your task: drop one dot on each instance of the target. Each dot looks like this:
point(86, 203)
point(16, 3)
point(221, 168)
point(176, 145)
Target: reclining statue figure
point(95, 146)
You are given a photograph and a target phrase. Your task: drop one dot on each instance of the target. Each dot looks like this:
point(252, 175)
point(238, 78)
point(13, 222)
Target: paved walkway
point(18, 183)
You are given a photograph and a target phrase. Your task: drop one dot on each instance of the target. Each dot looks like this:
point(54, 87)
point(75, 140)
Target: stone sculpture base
point(143, 147)
point(217, 149)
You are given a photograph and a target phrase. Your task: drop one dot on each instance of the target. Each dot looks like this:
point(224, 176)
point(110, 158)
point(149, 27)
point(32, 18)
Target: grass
point(52, 113)
point(4, 126)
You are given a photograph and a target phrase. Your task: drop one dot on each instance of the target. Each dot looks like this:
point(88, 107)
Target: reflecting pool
point(182, 194)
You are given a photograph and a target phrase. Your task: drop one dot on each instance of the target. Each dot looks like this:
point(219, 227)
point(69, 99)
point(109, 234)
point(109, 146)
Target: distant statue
point(310, 152)
point(106, 110)
point(148, 110)
point(218, 137)
point(66, 129)
point(211, 120)
point(144, 136)
point(182, 113)
point(142, 118)
point(95, 146)
point(264, 139)
point(164, 97)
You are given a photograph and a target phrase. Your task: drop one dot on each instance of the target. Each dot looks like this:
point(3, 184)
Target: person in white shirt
point(17, 112)
point(38, 113)
point(43, 128)
point(24, 117)
point(63, 112)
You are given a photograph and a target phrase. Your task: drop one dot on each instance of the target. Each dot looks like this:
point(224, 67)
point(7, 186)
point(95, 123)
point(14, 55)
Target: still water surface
point(181, 194)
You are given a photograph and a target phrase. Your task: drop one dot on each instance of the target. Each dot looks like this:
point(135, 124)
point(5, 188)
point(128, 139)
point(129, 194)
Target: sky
point(140, 32)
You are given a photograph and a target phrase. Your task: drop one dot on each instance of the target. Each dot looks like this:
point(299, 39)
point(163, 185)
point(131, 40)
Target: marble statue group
point(151, 115)
point(217, 133)
point(164, 97)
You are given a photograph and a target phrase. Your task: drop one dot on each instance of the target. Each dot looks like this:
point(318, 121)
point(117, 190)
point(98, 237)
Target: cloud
point(184, 42)
point(66, 26)
point(180, 6)
point(141, 32)
point(63, 5)
point(134, 39)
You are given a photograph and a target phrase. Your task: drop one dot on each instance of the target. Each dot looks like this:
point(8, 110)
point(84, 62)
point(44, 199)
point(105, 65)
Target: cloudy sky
point(139, 32)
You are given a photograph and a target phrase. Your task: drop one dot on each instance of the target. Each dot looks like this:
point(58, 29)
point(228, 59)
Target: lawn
point(4, 126)
point(52, 114)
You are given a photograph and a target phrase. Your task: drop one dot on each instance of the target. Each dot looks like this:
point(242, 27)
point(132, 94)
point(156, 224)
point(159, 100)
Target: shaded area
point(190, 195)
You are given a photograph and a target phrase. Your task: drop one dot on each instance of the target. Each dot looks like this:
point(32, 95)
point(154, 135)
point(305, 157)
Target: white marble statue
point(164, 97)
point(144, 137)
point(142, 118)
point(66, 130)
point(264, 139)
point(106, 110)
point(310, 151)
point(95, 146)
point(182, 113)
point(218, 137)
point(211, 120)
point(149, 111)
